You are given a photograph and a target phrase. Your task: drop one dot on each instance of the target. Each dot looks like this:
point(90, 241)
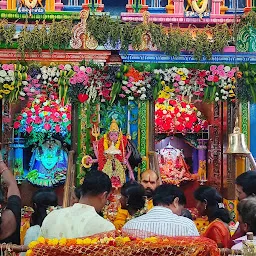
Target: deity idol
point(112, 155)
point(48, 164)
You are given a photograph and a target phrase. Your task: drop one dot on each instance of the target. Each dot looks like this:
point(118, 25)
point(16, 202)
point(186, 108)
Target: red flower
point(57, 128)
point(197, 128)
point(202, 73)
point(38, 120)
point(29, 129)
point(16, 125)
point(69, 127)
point(173, 102)
point(82, 97)
point(29, 120)
point(215, 79)
point(47, 126)
point(106, 94)
point(161, 100)
point(19, 118)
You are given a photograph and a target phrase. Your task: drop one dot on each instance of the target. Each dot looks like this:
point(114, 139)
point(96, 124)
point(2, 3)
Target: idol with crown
point(112, 155)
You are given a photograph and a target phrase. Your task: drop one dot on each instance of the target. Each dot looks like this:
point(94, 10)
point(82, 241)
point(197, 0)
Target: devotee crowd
point(145, 209)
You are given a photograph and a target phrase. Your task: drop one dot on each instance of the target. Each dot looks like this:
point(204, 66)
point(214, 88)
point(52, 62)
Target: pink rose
point(230, 74)
point(213, 67)
point(210, 78)
point(175, 84)
point(177, 90)
point(21, 98)
point(88, 70)
point(5, 67)
point(26, 89)
point(72, 80)
point(215, 72)
point(61, 67)
point(222, 73)
point(221, 67)
point(124, 88)
point(121, 95)
point(76, 68)
point(79, 79)
point(34, 81)
point(11, 67)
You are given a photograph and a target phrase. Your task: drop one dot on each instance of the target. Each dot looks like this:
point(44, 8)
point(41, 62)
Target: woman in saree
point(209, 203)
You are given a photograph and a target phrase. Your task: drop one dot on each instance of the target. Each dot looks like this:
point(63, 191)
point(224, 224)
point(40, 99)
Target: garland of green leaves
point(170, 40)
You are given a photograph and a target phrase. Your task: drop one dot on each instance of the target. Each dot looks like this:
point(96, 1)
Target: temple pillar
point(248, 6)
point(202, 149)
point(58, 5)
point(175, 6)
point(137, 6)
point(218, 7)
point(3, 5)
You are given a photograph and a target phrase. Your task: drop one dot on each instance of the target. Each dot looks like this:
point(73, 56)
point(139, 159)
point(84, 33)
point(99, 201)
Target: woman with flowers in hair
point(209, 203)
point(112, 156)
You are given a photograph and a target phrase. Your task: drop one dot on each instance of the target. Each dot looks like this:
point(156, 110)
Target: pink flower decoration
point(29, 129)
point(5, 67)
point(79, 79)
point(26, 89)
point(215, 72)
point(11, 67)
point(34, 81)
point(177, 90)
point(129, 85)
point(175, 84)
point(21, 98)
point(131, 79)
point(29, 94)
point(72, 80)
point(234, 69)
point(121, 95)
point(124, 88)
point(88, 70)
point(57, 128)
point(177, 78)
point(222, 73)
point(213, 67)
point(28, 78)
point(76, 68)
point(221, 67)
point(61, 67)
point(230, 74)
point(210, 78)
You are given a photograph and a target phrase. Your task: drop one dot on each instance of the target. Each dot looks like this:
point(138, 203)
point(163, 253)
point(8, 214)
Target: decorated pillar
point(143, 133)
point(18, 146)
point(137, 6)
point(218, 7)
point(202, 149)
point(58, 5)
point(175, 6)
point(93, 5)
point(3, 5)
point(248, 6)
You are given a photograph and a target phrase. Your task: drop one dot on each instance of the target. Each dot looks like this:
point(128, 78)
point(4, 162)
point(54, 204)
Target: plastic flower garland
point(173, 116)
point(43, 118)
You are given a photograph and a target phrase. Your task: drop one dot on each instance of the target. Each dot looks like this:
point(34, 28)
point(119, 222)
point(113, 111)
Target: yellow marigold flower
point(231, 91)
point(62, 241)
point(79, 241)
point(233, 87)
point(172, 90)
point(41, 240)
point(32, 244)
point(183, 78)
point(53, 241)
point(162, 82)
point(6, 86)
point(11, 87)
point(1, 96)
point(29, 252)
point(6, 91)
point(119, 241)
point(180, 72)
point(87, 241)
point(151, 239)
point(182, 110)
point(94, 240)
point(126, 239)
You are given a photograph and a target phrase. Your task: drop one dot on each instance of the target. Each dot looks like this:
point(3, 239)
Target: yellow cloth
point(80, 220)
point(123, 216)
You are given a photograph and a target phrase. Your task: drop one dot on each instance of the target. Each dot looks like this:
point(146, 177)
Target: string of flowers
point(95, 83)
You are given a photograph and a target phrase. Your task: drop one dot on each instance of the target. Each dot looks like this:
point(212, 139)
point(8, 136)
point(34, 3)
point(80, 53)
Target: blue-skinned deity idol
point(48, 164)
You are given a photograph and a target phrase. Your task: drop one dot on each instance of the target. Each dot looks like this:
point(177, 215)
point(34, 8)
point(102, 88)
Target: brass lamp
point(237, 145)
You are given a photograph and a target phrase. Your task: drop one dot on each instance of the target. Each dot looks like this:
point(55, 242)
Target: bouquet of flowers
point(44, 118)
point(173, 116)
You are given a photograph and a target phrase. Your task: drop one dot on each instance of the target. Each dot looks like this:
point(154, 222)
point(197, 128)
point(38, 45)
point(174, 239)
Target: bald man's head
point(149, 180)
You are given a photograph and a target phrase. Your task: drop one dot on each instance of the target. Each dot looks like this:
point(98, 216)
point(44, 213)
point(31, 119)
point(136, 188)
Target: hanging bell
point(236, 142)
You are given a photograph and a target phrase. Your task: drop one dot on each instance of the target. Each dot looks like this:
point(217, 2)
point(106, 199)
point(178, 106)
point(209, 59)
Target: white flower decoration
point(67, 67)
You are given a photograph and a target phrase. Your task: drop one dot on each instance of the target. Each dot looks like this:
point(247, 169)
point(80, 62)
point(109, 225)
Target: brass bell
point(236, 142)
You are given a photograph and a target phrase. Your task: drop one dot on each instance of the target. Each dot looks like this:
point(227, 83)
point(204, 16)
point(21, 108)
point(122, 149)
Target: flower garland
point(95, 83)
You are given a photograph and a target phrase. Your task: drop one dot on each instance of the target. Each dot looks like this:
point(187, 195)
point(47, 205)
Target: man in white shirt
point(164, 218)
point(81, 219)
